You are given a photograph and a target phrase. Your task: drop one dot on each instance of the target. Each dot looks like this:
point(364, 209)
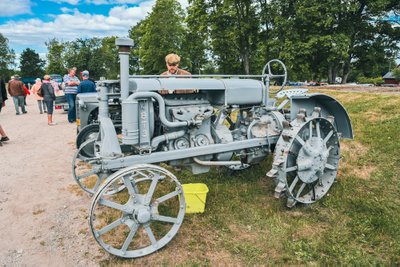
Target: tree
point(31, 64)
point(396, 73)
point(108, 54)
point(363, 24)
point(163, 33)
point(86, 54)
point(7, 58)
point(234, 28)
point(55, 62)
point(196, 39)
point(136, 33)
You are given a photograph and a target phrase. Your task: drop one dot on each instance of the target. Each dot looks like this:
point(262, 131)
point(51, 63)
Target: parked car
point(56, 77)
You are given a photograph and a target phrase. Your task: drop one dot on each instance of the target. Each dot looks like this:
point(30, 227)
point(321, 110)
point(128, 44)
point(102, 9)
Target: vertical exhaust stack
point(124, 46)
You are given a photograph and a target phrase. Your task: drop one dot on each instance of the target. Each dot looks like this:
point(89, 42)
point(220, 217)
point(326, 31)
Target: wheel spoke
point(111, 204)
point(129, 238)
point(318, 129)
point(109, 227)
point(300, 190)
point(128, 183)
point(97, 184)
point(152, 188)
point(301, 141)
point(150, 234)
point(167, 196)
point(167, 219)
point(290, 169)
point(311, 130)
point(293, 183)
point(328, 136)
point(94, 171)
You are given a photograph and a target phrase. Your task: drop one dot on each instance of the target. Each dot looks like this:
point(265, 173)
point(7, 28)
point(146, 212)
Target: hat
point(172, 59)
point(85, 73)
point(16, 76)
point(38, 80)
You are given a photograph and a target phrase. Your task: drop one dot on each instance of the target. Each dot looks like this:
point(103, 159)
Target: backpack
point(40, 91)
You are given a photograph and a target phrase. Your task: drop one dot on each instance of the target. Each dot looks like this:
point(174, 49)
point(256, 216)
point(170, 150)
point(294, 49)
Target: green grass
point(357, 223)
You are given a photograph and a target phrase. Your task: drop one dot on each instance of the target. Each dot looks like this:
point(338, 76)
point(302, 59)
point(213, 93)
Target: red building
point(390, 79)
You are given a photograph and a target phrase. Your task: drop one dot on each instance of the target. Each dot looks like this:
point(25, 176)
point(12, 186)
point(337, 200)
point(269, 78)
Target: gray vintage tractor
point(226, 120)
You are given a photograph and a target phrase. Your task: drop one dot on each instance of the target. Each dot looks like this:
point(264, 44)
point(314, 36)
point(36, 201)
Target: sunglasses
point(172, 64)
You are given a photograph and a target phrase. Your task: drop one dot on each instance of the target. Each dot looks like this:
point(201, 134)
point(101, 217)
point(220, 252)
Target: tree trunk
point(246, 62)
point(346, 71)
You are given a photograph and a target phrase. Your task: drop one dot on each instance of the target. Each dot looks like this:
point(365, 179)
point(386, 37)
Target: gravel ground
point(43, 214)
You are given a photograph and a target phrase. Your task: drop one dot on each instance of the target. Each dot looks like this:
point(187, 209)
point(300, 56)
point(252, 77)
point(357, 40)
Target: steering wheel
point(268, 73)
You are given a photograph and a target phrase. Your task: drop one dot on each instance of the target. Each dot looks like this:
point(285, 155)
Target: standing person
point(16, 90)
point(48, 98)
point(71, 83)
point(172, 62)
point(39, 99)
point(3, 98)
point(86, 86)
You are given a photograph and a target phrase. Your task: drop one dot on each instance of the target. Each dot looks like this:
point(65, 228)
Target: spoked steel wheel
point(306, 159)
point(143, 217)
point(87, 172)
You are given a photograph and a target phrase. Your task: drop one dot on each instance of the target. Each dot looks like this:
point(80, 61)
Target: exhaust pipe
point(124, 45)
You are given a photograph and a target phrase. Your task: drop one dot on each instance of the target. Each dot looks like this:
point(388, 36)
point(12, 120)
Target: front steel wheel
point(143, 217)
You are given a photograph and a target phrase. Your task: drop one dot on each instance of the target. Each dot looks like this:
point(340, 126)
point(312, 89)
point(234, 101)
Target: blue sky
point(30, 23)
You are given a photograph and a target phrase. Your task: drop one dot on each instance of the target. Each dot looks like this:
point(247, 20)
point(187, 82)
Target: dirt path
point(42, 213)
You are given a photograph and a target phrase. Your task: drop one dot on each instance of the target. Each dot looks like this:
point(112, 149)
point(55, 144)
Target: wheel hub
point(142, 214)
point(312, 160)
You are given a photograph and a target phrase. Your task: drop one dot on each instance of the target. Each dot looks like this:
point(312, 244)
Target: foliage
point(396, 73)
point(234, 26)
point(7, 58)
point(55, 63)
point(162, 32)
point(196, 37)
point(109, 58)
point(31, 65)
point(98, 56)
point(136, 33)
point(365, 80)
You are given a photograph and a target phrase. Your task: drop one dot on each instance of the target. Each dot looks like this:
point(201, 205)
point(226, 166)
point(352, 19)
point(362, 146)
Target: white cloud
point(71, 2)
point(73, 24)
point(16, 7)
point(113, 2)
point(68, 10)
